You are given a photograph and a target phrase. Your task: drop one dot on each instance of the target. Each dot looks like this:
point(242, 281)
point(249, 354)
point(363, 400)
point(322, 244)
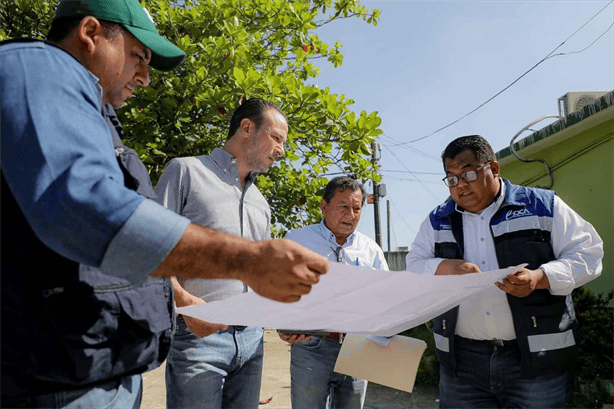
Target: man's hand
point(523, 282)
point(292, 338)
point(277, 269)
point(284, 270)
point(456, 267)
point(199, 327)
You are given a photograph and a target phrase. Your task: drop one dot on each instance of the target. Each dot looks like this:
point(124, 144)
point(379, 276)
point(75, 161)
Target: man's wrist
point(544, 282)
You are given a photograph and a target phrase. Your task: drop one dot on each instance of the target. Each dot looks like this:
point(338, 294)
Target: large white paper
point(353, 300)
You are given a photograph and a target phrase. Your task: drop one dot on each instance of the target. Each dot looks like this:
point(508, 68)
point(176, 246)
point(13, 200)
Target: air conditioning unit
point(575, 101)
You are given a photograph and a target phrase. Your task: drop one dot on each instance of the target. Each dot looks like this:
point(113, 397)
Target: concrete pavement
point(275, 390)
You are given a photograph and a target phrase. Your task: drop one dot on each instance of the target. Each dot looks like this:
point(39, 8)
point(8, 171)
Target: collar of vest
point(514, 196)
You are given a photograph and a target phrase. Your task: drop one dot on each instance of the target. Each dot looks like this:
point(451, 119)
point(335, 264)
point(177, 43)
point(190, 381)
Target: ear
point(246, 126)
point(323, 206)
point(89, 33)
point(494, 167)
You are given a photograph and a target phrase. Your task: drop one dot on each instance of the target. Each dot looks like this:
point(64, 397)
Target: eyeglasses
point(468, 177)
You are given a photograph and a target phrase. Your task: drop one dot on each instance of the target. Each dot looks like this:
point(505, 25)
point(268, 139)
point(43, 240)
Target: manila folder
point(394, 365)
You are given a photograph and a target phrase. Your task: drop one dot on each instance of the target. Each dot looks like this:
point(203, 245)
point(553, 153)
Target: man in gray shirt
point(212, 365)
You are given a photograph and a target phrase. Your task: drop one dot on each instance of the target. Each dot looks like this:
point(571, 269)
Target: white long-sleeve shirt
point(577, 247)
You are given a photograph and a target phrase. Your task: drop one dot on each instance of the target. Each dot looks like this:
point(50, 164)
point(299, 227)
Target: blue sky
point(428, 63)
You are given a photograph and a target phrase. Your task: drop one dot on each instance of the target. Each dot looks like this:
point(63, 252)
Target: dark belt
point(495, 342)
point(336, 336)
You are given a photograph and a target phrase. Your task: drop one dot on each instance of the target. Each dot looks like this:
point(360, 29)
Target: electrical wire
point(518, 79)
point(407, 171)
point(414, 180)
point(585, 48)
point(394, 235)
point(426, 188)
point(402, 218)
point(396, 142)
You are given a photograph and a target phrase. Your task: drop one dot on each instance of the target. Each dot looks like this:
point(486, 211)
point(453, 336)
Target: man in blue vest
point(514, 344)
point(85, 307)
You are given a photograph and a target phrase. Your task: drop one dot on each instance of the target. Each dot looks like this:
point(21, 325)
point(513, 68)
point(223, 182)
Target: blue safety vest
point(545, 324)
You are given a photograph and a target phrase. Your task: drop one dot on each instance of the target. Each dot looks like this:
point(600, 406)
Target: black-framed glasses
point(337, 252)
point(468, 177)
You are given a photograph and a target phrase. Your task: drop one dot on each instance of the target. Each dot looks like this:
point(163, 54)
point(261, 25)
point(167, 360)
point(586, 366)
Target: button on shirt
point(577, 247)
point(207, 190)
point(491, 304)
point(358, 249)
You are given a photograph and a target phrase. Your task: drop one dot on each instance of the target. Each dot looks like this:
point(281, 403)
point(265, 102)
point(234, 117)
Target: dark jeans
point(488, 376)
point(124, 393)
point(315, 384)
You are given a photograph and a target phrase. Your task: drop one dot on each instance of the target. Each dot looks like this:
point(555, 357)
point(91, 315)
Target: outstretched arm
point(277, 269)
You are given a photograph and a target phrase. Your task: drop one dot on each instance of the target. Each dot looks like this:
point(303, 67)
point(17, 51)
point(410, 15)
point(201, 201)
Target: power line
point(398, 143)
point(402, 218)
point(427, 189)
point(585, 48)
point(414, 180)
point(390, 137)
point(518, 79)
point(396, 243)
point(408, 171)
point(419, 152)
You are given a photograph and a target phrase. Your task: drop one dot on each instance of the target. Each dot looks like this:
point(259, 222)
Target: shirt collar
point(490, 208)
point(228, 163)
point(96, 81)
point(329, 235)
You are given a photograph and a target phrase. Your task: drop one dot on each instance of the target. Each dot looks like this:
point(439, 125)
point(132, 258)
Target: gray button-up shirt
point(207, 190)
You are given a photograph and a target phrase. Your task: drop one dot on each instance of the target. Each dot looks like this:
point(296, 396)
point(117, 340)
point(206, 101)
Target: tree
point(240, 49)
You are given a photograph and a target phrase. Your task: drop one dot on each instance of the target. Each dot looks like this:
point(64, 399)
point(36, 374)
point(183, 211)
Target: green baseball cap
point(135, 19)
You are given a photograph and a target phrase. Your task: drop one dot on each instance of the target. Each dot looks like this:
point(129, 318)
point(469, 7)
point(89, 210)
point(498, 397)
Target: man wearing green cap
point(85, 309)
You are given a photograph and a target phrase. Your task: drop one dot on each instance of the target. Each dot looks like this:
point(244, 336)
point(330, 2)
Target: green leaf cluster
point(242, 49)
point(591, 385)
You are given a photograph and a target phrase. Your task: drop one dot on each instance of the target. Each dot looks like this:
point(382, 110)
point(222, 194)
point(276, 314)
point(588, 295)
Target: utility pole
point(378, 230)
point(388, 215)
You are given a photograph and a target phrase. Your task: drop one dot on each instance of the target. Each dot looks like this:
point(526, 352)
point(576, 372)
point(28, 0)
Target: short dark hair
point(62, 26)
point(252, 109)
point(475, 143)
point(339, 184)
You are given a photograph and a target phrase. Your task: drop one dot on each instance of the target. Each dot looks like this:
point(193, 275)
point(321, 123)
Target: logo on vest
point(445, 226)
point(514, 214)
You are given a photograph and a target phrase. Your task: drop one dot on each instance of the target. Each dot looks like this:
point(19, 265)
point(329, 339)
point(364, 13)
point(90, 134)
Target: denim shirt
point(59, 163)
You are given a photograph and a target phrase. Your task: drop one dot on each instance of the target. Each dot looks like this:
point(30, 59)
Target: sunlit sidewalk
point(275, 391)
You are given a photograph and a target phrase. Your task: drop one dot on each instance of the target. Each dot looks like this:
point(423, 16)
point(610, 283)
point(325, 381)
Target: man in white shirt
point(512, 345)
point(314, 383)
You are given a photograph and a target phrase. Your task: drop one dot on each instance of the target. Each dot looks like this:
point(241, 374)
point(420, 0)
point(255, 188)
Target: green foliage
point(241, 49)
point(589, 387)
point(25, 18)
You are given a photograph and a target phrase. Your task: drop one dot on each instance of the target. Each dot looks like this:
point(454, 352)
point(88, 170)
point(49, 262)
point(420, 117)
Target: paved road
point(276, 385)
